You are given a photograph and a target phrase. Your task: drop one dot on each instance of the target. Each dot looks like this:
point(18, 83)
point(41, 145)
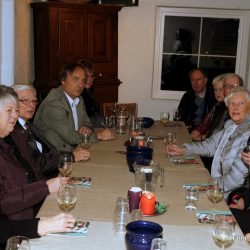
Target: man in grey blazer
point(62, 116)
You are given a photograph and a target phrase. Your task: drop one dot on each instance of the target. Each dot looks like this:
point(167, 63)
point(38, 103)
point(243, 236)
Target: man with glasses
point(230, 81)
point(30, 141)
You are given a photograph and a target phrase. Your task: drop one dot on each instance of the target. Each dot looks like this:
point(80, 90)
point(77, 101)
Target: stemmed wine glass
point(164, 118)
point(65, 164)
point(176, 116)
point(169, 138)
point(66, 198)
point(215, 193)
point(223, 234)
point(18, 242)
point(86, 141)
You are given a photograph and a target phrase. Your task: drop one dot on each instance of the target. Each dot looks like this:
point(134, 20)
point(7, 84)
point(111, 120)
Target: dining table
point(111, 178)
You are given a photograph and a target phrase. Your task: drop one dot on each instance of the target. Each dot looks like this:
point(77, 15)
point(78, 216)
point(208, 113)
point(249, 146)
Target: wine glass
point(18, 242)
point(158, 244)
point(107, 122)
point(169, 138)
point(215, 193)
point(164, 118)
point(65, 164)
point(86, 141)
point(223, 234)
point(176, 116)
point(66, 198)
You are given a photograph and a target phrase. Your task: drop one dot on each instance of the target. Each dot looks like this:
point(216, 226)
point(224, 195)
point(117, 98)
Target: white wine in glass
point(85, 141)
point(66, 197)
point(215, 194)
point(164, 118)
point(65, 168)
point(223, 234)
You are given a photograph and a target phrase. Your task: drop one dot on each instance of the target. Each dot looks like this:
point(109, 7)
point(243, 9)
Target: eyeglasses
point(28, 101)
point(238, 105)
point(231, 86)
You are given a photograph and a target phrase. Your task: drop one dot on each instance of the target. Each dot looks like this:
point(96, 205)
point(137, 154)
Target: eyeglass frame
point(238, 105)
point(231, 86)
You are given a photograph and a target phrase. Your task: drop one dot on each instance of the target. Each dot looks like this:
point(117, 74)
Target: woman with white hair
point(226, 145)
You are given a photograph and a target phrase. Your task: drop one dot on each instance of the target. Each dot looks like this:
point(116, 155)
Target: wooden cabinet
point(67, 32)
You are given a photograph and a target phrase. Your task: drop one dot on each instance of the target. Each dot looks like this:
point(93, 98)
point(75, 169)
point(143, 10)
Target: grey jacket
point(55, 119)
point(227, 160)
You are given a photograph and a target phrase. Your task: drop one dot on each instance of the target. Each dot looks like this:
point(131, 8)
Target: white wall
point(7, 42)
point(136, 50)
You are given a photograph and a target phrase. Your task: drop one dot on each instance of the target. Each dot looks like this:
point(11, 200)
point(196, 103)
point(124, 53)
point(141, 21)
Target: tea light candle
point(147, 203)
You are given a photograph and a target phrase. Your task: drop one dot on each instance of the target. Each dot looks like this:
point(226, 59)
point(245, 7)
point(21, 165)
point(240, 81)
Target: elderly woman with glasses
point(23, 187)
point(226, 145)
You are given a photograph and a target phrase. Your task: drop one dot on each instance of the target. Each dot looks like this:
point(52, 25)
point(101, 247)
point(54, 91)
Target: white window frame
point(241, 57)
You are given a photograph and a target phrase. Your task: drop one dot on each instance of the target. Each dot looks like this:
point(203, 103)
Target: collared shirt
point(22, 123)
point(73, 104)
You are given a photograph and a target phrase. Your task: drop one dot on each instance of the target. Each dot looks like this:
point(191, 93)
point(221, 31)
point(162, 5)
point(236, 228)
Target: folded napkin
point(84, 182)
point(210, 216)
point(202, 187)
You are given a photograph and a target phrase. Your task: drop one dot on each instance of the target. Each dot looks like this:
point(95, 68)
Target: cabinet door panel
point(72, 36)
point(102, 43)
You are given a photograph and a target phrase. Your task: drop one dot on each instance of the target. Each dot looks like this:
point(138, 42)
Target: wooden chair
point(132, 108)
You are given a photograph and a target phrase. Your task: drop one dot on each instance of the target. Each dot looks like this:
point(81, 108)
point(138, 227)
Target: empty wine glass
point(158, 244)
point(169, 138)
point(107, 122)
point(66, 198)
point(176, 116)
point(65, 164)
point(86, 141)
point(215, 193)
point(223, 234)
point(164, 118)
point(18, 242)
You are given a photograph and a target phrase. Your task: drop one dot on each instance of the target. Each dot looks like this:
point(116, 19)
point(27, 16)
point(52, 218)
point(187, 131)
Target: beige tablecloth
point(111, 179)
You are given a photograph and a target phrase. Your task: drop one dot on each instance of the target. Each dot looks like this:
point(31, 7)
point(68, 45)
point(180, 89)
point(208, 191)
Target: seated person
point(196, 103)
point(239, 201)
point(226, 145)
point(35, 227)
point(62, 117)
point(22, 186)
point(38, 150)
point(92, 110)
point(220, 115)
point(200, 131)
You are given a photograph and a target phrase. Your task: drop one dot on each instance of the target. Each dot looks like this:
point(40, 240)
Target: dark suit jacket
point(47, 161)
point(17, 195)
point(188, 107)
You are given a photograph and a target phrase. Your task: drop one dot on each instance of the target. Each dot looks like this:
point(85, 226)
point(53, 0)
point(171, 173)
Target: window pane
point(181, 34)
point(219, 36)
point(175, 71)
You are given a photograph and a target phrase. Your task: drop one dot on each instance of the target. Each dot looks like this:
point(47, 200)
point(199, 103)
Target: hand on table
point(173, 149)
point(105, 135)
point(85, 130)
point(59, 223)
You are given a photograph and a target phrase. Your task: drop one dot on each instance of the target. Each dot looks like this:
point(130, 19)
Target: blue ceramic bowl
point(139, 234)
point(140, 155)
point(148, 122)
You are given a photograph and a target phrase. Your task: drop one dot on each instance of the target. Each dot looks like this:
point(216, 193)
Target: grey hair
point(234, 75)
point(22, 86)
point(7, 95)
point(218, 79)
point(235, 91)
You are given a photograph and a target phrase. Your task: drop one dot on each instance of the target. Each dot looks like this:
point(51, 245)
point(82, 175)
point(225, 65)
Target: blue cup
point(139, 234)
point(140, 155)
